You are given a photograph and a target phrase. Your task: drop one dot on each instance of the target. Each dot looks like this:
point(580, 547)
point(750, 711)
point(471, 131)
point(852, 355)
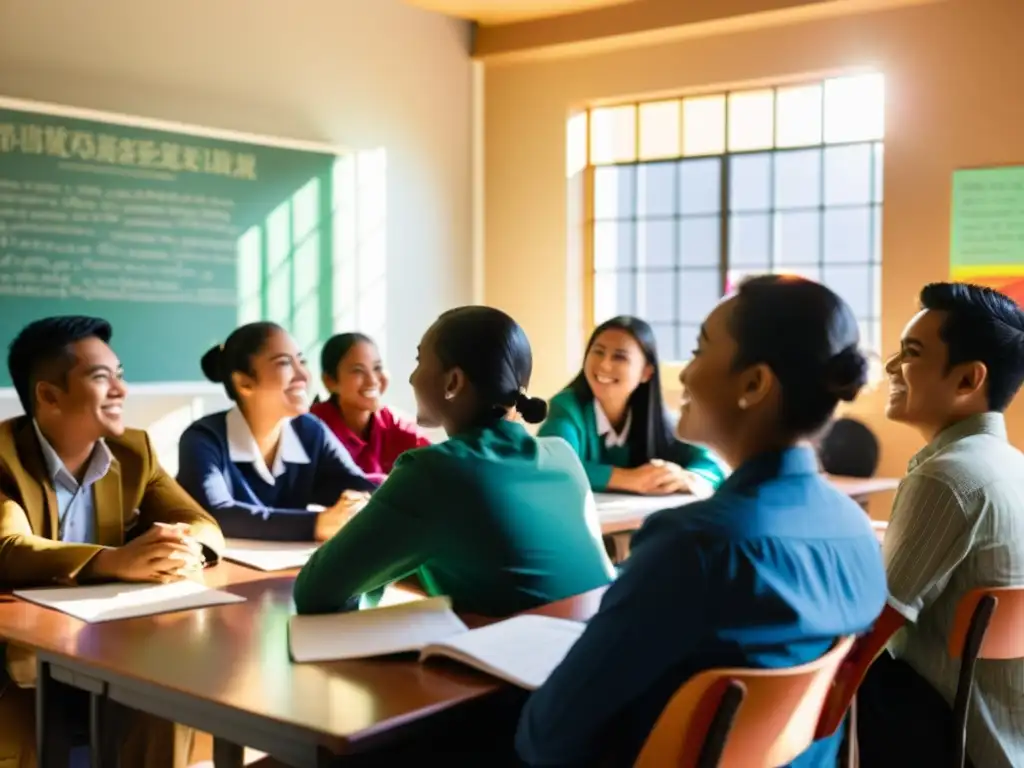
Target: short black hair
point(235, 354)
point(981, 325)
point(809, 338)
point(40, 352)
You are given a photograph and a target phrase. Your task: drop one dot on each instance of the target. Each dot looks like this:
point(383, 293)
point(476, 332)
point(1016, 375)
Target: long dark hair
point(334, 352)
point(651, 433)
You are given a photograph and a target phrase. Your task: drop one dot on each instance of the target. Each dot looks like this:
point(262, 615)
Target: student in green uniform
point(493, 517)
point(613, 415)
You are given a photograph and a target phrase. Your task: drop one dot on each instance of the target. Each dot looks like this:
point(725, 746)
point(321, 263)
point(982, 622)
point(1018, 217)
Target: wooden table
point(225, 670)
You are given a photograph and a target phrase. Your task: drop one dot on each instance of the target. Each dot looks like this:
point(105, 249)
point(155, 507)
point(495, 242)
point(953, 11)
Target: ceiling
point(505, 11)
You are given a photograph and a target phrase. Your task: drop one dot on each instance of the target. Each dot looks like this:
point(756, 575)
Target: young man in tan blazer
point(83, 499)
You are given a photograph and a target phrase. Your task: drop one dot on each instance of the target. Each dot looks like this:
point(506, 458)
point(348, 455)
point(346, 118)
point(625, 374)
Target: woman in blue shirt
point(769, 572)
point(259, 467)
point(613, 416)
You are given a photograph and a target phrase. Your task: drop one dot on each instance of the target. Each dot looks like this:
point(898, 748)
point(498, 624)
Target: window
point(689, 195)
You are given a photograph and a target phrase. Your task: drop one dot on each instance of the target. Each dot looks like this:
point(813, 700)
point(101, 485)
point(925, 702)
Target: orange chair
point(989, 624)
point(742, 718)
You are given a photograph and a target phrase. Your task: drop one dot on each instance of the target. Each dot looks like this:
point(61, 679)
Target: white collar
point(612, 439)
point(242, 448)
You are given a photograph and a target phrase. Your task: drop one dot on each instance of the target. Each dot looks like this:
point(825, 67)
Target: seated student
point(613, 416)
point(768, 572)
point(259, 467)
point(354, 375)
point(84, 500)
point(957, 524)
point(496, 519)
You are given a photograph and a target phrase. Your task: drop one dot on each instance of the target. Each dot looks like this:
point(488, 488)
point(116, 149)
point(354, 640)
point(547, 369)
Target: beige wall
point(951, 68)
point(359, 73)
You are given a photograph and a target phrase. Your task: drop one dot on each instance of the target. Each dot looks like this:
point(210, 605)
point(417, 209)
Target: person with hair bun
point(265, 468)
point(496, 519)
point(769, 572)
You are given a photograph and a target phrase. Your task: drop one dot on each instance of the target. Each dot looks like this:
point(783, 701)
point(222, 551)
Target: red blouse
point(389, 437)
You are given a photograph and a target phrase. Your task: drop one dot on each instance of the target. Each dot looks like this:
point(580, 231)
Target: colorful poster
point(987, 237)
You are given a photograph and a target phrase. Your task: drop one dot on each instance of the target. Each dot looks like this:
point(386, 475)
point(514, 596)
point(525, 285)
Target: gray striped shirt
point(957, 524)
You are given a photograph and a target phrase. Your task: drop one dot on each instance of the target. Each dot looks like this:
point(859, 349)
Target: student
point(354, 375)
point(768, 572)
point(260, 466)
point(84, 500)
point(496, 519)
point(957, 524)
point(613, 416)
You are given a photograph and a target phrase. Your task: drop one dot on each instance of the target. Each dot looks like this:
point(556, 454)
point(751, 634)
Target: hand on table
point(164, 553)
point(663, 478)
point(332, 520)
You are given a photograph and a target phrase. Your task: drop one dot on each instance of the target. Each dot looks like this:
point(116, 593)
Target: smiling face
point(278, 386)
point(615, 366)
point(359, 381)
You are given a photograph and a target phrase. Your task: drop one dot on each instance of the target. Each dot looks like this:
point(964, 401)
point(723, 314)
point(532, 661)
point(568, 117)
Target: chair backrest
point(774, 715)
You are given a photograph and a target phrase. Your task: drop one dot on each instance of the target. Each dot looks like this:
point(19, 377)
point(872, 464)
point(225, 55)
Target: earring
point(449, 395)
point(742, 403)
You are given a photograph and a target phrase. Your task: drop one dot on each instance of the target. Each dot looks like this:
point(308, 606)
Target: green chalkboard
point(174, 237)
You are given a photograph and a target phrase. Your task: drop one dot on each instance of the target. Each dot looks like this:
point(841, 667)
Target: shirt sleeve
point(929, 534)
point(560, 423)
point(390, 538)
point(336, 471)
point(627, 647)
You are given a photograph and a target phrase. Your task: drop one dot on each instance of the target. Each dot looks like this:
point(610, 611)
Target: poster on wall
point(987, 237)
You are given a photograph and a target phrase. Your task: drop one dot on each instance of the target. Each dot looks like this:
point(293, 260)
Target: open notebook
point(523, 650)
point(269, 555)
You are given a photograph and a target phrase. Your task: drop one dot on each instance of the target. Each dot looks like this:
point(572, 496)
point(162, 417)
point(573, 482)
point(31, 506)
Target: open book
point(523, 650)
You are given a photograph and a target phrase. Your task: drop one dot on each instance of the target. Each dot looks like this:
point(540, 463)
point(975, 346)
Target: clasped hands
point(661, 478)
point(165, 553)
point(333, 519)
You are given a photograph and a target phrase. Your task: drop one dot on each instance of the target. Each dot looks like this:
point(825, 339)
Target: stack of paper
point(269, 555)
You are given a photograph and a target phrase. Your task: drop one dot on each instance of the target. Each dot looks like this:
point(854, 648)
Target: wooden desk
point(225, 670)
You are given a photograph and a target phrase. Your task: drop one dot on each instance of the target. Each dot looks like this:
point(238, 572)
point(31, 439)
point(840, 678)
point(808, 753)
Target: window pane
point(699, 292)
point(699, 242)
point(614, 192)
point(614, 244)
point(613, 135)
point(876, 291)
point(853, 284)
point(848, 175)
point(750, 182)
point(656, 243)
point(854, 108)
point(751, 120)
point(749, 241)
point(665, 338)
point(704, 125)
point(797, 238)
point(848, 235)
point(614, 294)
point(656, 189)
point(879, 157)
point(659, 129)
point(876, 227)
point(658, 296)
point(305, 210)
point(798, 179)
point(700, 183)
point(688, 337)
point(798, 116)
point(575, 144)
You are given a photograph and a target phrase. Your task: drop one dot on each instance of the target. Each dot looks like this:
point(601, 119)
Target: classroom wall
point(365, 75)
point(951, 69)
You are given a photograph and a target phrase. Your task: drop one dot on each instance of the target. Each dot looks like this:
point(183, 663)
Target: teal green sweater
point(496, 519)
point(574, 422)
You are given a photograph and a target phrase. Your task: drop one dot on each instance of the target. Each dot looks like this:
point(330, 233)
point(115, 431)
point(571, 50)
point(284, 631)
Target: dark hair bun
point(212, 364)
point(532, 409)
point(846, 373)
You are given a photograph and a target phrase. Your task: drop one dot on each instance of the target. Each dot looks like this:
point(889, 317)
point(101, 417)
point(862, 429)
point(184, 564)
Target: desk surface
point(237, 656)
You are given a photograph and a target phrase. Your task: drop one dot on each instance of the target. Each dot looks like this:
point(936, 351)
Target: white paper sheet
point(107, 602)
point(269, 555)
point(617, 506)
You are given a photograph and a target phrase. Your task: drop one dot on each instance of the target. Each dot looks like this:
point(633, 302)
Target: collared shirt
point(769, 572)
point(242, 448)
point(75, 508)
point(957, 524)
point(612, 439)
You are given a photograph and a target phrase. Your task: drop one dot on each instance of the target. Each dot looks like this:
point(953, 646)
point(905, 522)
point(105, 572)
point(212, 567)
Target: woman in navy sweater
point(260, 467)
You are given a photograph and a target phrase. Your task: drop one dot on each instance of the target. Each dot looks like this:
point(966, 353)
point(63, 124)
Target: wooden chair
point(989, 624)
point(742, 718)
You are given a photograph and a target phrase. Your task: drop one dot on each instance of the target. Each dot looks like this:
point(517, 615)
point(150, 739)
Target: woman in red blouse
point(355, 377)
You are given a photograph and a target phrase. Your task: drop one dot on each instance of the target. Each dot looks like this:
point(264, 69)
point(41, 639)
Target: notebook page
point(372, 632)
point(523, 650)
point(618, 506)
point(107, 602)
point(269, 555)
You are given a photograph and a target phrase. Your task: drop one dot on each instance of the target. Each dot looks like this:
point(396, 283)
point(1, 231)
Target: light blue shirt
point(75, 509)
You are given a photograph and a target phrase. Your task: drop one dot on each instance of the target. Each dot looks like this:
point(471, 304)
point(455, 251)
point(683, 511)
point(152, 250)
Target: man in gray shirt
point(957, 524)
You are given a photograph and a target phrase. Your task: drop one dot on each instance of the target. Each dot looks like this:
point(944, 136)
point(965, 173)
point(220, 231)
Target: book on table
point(523, 650)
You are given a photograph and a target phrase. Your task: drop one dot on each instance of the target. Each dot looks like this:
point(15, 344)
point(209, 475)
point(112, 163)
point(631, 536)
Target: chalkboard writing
point(988, 217)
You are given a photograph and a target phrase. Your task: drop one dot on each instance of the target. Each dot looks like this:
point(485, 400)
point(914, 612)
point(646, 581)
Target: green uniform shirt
point(576, 423)
point(496, 519)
